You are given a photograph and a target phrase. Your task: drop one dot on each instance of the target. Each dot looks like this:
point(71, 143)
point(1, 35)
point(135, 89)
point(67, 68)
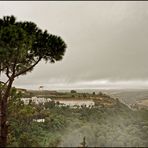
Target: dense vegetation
point(65, 126)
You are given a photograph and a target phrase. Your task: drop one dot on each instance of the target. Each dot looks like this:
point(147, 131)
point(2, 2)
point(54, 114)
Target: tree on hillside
point(73, 91)
point(94, 93)
point(22, 46)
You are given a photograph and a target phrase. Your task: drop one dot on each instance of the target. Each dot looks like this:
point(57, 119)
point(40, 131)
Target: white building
point(36, 100)
point(39, 120)
point(74, 103)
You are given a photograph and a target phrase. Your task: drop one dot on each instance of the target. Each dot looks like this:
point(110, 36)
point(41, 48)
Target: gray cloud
point(106, 40)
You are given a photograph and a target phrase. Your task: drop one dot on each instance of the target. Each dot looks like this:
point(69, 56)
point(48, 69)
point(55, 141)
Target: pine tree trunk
point(0, 113)
point(3, 117)
point(4, 128)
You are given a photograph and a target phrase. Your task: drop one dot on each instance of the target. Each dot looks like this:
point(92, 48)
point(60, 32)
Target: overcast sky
point(107, 43)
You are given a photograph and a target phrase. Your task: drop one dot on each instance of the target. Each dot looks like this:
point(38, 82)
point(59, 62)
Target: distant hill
point(127, 96)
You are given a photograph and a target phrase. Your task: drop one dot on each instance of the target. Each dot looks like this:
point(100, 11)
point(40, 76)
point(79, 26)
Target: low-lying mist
point(109, 131)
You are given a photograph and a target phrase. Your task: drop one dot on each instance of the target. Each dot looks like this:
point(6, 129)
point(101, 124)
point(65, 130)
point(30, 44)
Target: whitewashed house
point(75, 103)
point(39, 120)
point(35, 100)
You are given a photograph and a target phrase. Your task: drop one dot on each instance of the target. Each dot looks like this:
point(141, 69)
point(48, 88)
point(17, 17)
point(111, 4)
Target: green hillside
point(103, 126)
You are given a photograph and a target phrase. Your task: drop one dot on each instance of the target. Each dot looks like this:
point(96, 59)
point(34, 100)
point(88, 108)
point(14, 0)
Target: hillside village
point(63, 119)
point(72, 98)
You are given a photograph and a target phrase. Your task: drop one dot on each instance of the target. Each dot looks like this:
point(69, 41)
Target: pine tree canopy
point(23, 45)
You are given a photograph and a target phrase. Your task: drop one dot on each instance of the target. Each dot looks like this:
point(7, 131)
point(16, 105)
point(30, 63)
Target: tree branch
point(2, 69)
point(7, 72)
point(3, 86)
point(27, 69)
point(4, 83)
